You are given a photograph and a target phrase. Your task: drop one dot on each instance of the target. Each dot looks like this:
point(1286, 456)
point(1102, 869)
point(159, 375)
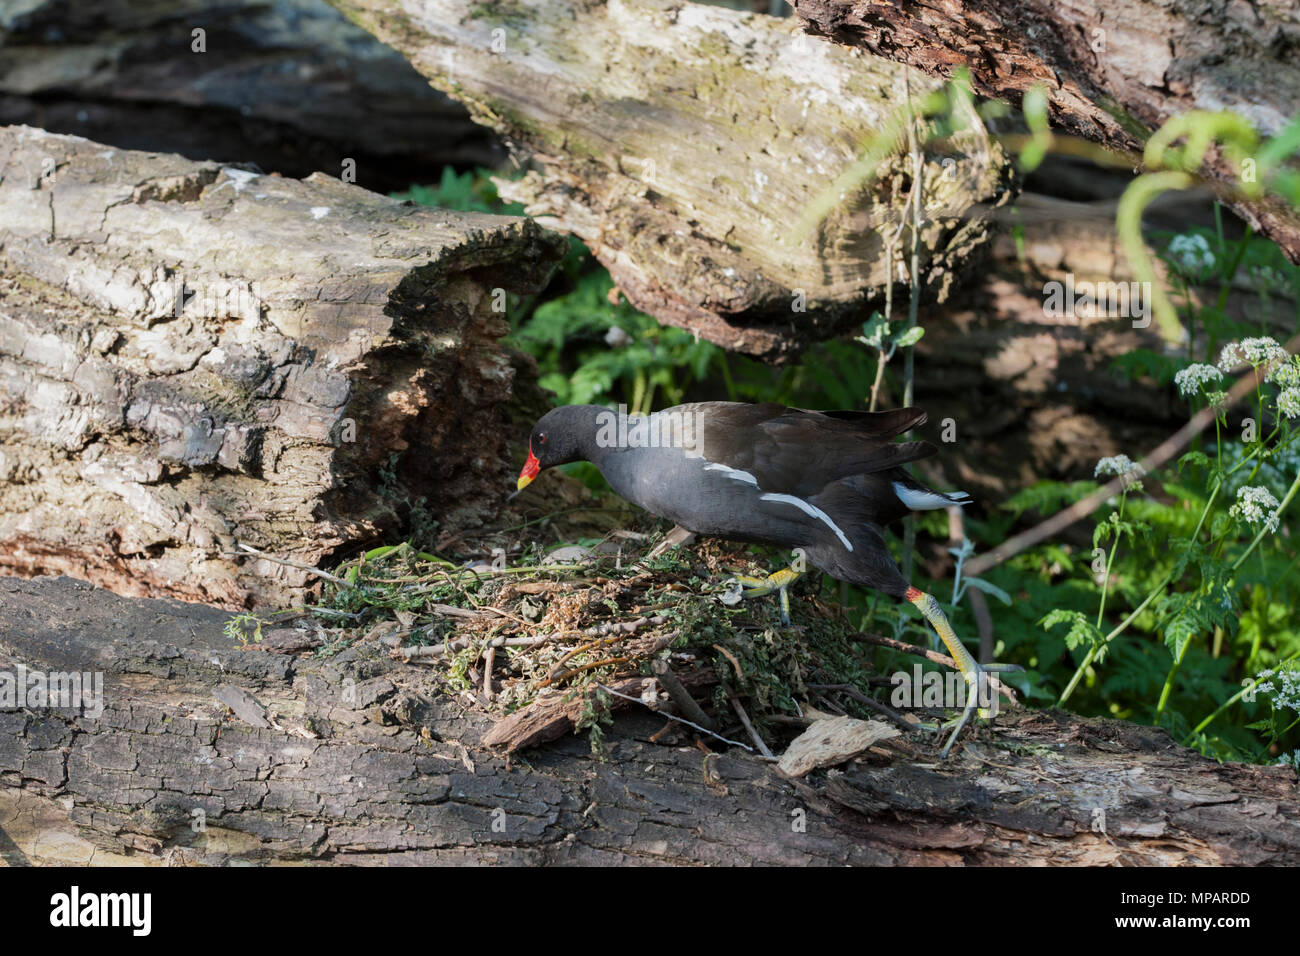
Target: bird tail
point(917, 497)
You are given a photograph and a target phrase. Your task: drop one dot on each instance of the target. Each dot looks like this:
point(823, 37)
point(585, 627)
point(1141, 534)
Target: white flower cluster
point(1287, 374)
point(1191, 253)
point(1283, 686)
point(1256, 505)
point(1266, 277)
point(1118, 465)
point(1195, 377)
point(1291, 760)
point(1123, 466)
point(1288, 402)
point(1257, 351)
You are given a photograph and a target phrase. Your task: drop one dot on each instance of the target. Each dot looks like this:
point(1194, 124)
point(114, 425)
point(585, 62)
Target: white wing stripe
point(735, 474)
point(812, 510)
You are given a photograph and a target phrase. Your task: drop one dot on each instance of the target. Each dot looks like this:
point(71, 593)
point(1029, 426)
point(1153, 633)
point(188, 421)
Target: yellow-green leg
point(777, 581)
point(971, 670)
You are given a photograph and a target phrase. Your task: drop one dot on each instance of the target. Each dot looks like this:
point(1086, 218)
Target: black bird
point(823, 482)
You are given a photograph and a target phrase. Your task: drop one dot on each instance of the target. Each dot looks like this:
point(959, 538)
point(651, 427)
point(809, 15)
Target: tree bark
point(366, 760)
point(684, 145)
point(1114, 72)
point(334, 370)
point(290, 86)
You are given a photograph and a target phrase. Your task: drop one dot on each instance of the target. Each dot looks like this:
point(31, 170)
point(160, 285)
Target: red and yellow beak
point(531, 467)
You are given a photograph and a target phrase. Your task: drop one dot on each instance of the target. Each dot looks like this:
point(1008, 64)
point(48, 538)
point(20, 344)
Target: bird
point(824, 482)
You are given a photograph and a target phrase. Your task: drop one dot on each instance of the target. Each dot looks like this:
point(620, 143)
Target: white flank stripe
point(812, 510)
point(735, 474)
point(925, 500)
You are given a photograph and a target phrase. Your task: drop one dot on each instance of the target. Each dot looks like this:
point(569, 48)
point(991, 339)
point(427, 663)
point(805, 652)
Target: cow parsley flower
point(1191, 254)
point(1287, 374)
point(1254, 352)
point(1288, 402)
point(1283, 686)
point(1267, 278)
point(1256, 505)
point(1121, 466)
point(1195, 377)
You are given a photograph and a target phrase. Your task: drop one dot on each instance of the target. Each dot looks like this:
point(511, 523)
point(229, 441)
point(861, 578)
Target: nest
point(555, 641)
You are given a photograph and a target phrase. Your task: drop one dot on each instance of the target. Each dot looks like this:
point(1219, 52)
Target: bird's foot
point(980, 697)
point(778, 581)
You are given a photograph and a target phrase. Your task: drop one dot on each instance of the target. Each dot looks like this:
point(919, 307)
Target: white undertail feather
point(919, 500)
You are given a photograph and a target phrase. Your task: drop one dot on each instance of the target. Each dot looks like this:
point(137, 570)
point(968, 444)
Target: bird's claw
point(778, 581)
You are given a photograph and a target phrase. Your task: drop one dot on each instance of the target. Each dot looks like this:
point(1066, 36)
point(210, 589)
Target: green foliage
point(591, 350)
point(471, 191)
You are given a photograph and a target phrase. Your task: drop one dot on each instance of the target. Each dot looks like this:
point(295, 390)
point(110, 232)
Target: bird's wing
point(797, 452)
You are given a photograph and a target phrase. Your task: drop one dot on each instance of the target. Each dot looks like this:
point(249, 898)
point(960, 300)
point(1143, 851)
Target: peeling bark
point(289, 85)
point(1114, 72)
point(336, 359)
point(684, 143)
point(369, 761)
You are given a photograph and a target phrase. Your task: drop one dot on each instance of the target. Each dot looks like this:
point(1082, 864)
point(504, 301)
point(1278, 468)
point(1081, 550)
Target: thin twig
point(489, 659)
point(679, 694)
point(744, 719)
point(1157, 457)
point(459, 644)
point(659, 644)
point(295, 564)
point(740, 675)
point(848, 690)
point(680, 720)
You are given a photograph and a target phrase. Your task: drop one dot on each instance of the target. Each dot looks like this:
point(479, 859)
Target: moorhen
point(823, 482)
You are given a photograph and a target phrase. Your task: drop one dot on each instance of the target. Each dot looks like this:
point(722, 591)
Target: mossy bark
point(194, 357)
point(1114, 72)
point(685, 144)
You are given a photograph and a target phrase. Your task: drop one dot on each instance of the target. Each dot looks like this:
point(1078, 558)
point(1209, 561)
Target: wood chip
point(244, 704)
point(832, 741)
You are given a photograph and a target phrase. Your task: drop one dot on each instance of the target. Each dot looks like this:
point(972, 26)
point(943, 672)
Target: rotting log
point(369, 761)
point(684, 144)
point(334, 366)
point(289, 85)
point(1114, 72)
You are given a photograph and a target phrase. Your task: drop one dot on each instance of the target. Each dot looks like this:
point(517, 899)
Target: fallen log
point(684, 144)
point(290, 86)
point(1114, 72)
point(366, 760)
point(195, 358)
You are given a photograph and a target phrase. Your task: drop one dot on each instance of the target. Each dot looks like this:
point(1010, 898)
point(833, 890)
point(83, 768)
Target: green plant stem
point(1246, 688)
point(1155, 592)
point(1120, 628)
point(1110, 560)
point(1178, 660)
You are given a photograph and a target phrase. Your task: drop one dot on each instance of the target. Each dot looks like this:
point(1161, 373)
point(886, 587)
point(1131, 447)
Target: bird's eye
point(541, 438)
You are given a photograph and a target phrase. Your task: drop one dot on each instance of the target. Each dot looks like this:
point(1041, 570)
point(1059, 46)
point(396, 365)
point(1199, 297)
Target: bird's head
point(559, 437)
